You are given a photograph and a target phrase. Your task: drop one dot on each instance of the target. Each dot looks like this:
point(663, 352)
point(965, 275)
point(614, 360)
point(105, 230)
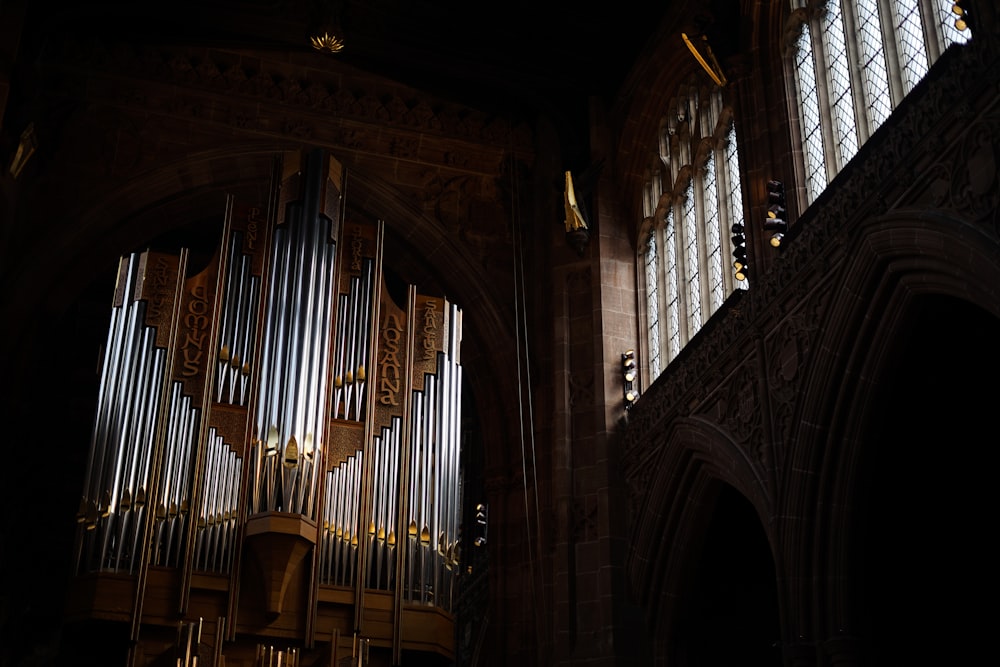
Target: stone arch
point(698, 459)
point(135, 208)
point(888, 282)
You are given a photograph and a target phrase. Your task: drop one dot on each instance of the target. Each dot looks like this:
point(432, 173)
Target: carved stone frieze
point(964, 177)
point(789, 355)
point(738, 405)
point(144, 106)
point(347, 94)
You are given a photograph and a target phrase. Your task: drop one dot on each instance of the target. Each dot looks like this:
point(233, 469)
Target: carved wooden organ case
point(275, 472)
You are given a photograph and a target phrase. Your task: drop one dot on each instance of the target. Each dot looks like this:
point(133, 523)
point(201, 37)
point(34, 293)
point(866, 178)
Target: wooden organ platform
point(275, 473)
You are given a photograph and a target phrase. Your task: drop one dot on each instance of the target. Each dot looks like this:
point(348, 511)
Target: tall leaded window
point(653, 301)
point(853, 62)
point(715, 280)
point(692, 199)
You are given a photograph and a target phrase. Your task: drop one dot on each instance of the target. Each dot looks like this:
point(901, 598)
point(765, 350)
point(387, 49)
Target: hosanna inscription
point(389, 362)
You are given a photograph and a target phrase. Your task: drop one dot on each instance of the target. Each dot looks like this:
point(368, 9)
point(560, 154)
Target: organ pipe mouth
point(292, 453)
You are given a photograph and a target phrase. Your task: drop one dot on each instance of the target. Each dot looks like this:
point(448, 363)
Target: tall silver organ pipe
point(433, 517)
point(298, 333)
point(117, 492)
point(277, 440)
point(219, 506)
point(238, 328)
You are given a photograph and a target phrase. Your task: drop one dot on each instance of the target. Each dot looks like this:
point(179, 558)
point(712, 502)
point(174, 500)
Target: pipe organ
point(275, 472)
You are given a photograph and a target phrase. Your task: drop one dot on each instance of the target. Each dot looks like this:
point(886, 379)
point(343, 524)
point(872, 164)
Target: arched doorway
point(729, 615)
point(926, 518)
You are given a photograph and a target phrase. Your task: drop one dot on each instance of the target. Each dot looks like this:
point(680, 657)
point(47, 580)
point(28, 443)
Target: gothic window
point(853, 61)
point(692, 199)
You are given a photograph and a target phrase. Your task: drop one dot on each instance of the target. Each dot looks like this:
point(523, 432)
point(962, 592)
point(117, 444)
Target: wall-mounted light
point(740, 267)
point(629, 371)
point(482, 521)
point(776, 221)
point(963, 21)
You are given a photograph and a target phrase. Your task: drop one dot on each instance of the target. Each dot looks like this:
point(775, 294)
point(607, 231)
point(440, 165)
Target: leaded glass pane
point(812, 135)
point(735, 187)
point(692, 265)
point(672, 282)
point(841, 100)
point(878, 95)
point(713, 239)
point(653, 302)
point(912, 50)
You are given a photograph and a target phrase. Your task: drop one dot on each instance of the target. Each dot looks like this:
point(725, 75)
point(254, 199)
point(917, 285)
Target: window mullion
point(878, 92)
point(692, 267)
point(673, 272)
point(725, 204)
point(715, 281)
point(808, 112)
point(652, 318)
point(663, 312)
point(835, 83)
point(909, 31)
point(891, 47)
point(855, 69)
point(701, 224)
point(933, 39)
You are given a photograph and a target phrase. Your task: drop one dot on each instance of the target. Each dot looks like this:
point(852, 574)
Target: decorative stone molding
point(345, 93)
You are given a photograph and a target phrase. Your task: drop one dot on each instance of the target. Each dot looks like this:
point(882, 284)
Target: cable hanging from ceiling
point(524, 386)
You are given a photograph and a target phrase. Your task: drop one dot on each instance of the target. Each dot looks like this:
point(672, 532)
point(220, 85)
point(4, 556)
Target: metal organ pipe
point(338, 371)
point(363, 350)
point(238, 325)
point(353, 343)
point(293, 377)
point(382, 532)
point(434, 489)
point(219, 506)
point(172, 510)
point(116, 478)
